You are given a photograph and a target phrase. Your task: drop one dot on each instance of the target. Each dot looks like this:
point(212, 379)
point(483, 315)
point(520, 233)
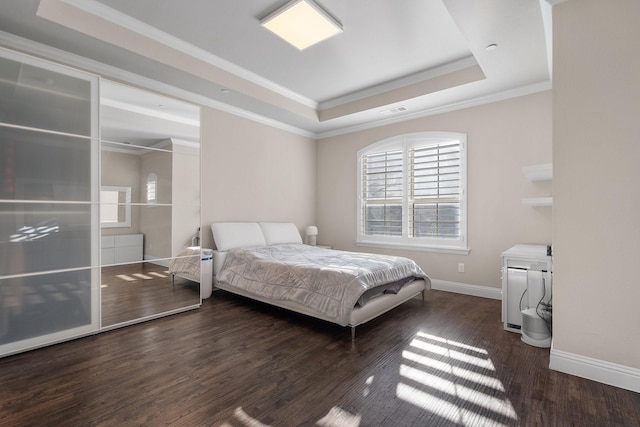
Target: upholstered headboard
point(237, 235)
point(280, 233)
point(240, 235)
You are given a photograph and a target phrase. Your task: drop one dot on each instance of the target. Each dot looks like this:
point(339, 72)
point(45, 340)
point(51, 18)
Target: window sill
point(421, 248)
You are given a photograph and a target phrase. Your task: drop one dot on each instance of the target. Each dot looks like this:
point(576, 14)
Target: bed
point(267, 262)
point(186, 265)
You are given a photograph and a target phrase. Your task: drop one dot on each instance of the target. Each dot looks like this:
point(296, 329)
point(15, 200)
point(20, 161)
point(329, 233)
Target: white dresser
point(121, 248)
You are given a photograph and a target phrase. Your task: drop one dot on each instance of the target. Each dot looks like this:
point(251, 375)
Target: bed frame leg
point(422, 295)
point(173, 282)
point(353, 333)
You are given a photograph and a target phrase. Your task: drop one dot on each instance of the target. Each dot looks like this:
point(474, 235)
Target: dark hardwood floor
point(442, 362)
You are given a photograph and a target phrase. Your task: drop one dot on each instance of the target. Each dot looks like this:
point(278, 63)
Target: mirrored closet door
point(150, 202)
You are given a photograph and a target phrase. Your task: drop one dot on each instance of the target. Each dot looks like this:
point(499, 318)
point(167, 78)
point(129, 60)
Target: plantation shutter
point(435, 191)
point(382, 193)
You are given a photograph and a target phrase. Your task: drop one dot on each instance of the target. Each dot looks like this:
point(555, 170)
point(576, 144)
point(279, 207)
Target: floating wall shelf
point(538, 201)
point(542, 172)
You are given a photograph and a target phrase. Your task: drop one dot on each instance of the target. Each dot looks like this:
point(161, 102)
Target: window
point(152, 189)
point(115, 206)
point(412, 192)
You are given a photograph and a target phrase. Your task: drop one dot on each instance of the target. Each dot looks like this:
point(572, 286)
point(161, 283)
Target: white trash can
point(206, 273)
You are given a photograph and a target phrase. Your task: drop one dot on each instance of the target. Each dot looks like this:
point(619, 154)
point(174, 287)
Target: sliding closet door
point(49, 226)
point(150, 185)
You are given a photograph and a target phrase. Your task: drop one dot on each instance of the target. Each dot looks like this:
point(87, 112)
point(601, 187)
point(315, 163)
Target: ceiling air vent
point(391, 111)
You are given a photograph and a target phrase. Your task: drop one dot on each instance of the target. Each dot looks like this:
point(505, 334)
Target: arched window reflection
point(152, 189)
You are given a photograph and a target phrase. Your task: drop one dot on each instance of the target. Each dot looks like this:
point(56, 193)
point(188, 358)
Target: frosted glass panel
point(41, 305)
point(41, 166)
point(49, 185)
point(44, 236)
point(36, 97)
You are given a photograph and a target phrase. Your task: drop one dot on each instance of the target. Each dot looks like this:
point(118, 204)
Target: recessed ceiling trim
point(480, 100)
point(431, 73)
point(406, 93)
point(113, 16)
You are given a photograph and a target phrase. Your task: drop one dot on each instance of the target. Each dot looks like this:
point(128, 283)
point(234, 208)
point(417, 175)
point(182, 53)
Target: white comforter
point(323, 280)
point(187, 261)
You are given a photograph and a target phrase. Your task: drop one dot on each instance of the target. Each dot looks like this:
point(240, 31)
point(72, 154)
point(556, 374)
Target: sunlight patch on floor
point(442, 408)
point(336, 417)
point(454, 354)
point(497, 405)
point(155, 273)
point(137, 276)
point(367, 388)
point(447, 368)
point(452, 379)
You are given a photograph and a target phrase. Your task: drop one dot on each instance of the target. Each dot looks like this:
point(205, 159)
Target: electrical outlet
point(461, 267)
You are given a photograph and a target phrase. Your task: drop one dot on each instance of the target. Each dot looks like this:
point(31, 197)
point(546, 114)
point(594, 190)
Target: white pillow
point(278, 233)
point(236, 235)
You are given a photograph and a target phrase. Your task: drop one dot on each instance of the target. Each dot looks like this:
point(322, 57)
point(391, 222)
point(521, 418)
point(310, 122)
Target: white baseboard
point(593, 369)
point(596, 370)
point(156, 260)
point(466, 289)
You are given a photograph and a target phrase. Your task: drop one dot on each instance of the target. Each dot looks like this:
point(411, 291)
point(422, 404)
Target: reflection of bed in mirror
point(186, 264)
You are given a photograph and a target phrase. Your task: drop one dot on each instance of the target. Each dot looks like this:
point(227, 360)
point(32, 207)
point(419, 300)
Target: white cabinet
point(521, 265)
point(121, 248)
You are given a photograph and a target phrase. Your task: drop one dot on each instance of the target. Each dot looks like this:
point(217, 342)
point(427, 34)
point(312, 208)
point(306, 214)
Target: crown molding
point(494, 97)
point(115, 17)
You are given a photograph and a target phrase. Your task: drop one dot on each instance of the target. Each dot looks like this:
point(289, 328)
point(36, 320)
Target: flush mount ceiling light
point(302, 23)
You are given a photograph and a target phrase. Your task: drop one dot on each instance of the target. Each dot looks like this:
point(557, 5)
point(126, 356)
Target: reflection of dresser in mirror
point(121, 248)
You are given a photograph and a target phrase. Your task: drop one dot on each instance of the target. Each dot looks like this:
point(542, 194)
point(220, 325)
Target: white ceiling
point(426, 55)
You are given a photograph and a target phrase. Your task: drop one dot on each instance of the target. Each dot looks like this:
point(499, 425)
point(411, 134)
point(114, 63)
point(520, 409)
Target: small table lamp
point(312, 232)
